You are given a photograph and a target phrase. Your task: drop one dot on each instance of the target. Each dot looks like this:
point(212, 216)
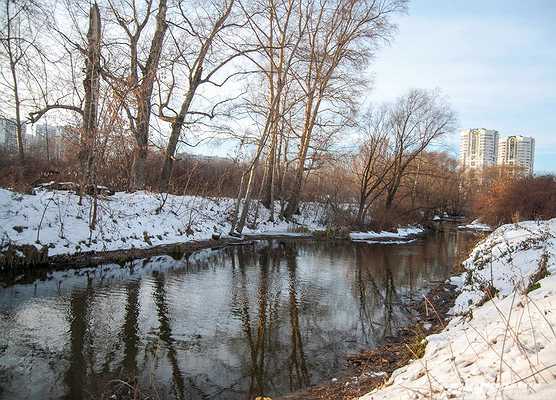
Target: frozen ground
point(476, 225)
point(505, 348)
point(396, 237)
point(125, 220)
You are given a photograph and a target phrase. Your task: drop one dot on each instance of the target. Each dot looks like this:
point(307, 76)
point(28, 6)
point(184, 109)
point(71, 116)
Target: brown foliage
point(514, 199)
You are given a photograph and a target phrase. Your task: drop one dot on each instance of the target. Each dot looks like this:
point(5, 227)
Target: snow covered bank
point(505, 347)
point(125, 220)
point(476, 225)
point(505, 261)
point(400, 236)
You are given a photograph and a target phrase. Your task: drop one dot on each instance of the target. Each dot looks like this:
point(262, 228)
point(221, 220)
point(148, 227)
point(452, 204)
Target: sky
point(495, 61)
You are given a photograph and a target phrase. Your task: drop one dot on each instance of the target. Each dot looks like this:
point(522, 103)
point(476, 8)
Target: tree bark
point(13, 59)
point(91, 84)
point(175, 133)
point(145, 91)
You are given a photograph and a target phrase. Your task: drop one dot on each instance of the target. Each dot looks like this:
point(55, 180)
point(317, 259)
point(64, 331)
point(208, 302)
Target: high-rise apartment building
point(8, 135)
point(482, 148)
point(517, 151)
point(478, 148)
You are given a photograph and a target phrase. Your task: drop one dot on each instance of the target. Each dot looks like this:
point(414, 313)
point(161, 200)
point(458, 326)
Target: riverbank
point(51, 228)
point(501, 340)
point(491, 329)
point(368, 370)
point(56, 227)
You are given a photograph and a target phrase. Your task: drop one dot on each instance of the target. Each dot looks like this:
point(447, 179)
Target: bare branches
point(35, 116)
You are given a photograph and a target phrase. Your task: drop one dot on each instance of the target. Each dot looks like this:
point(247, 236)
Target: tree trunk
point(144, 98)
point(238, 204)
point(13, 63)
point(91, 85)
point(175, 133)
point(268, 184)
point(311, 112)
point(361, 211)
point(142, 142)
point(247, 202)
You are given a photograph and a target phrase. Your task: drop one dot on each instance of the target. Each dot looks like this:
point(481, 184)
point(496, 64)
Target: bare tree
point(278, 28)
point(19, 31)
point(203, 48)
point(89, 107)
point(372, 165)
point(135, 79)
point(91, 85)
point(416, 120)
point(394, 137)
point(341, 37)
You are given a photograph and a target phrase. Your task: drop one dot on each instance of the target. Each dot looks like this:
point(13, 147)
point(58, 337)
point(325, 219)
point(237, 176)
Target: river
point(235, 323)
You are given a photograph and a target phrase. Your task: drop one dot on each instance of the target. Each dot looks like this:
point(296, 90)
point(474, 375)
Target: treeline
point(280, 82)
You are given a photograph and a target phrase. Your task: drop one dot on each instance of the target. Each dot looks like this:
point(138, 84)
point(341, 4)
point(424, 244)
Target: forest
point(277, 87)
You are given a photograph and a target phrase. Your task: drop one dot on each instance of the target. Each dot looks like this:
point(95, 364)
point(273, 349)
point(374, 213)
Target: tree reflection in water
point(165, 334)
point(236, 323)
point(130, 332)
point(263, 331)
point(381, 310)
point(76, 374)
point(298, 373)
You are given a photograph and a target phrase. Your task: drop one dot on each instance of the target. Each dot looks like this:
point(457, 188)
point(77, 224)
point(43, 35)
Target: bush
point(517, 199)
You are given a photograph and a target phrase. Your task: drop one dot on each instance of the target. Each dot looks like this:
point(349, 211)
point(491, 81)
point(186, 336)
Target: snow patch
point(401, 233)
point(126, 220)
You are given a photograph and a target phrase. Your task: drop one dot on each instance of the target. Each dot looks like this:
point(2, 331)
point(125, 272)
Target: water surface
point(235, 323)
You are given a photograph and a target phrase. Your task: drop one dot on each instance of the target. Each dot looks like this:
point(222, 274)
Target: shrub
point(517, 199)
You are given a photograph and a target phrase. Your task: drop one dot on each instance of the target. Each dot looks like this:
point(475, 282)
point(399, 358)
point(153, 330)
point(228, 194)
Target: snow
point(476, 225)
point(505, 260)
point(125, 220)
point(401, 233)
point(505, 348)
point(386, 242)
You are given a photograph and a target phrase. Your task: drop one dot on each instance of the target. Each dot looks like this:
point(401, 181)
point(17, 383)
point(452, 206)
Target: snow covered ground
point(400, 236)
point(504, 348)
point(476, 225)
point(125, 220)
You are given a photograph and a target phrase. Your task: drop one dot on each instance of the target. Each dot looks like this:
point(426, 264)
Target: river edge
point(13, 266)
point(370, 369)
point(364, 371)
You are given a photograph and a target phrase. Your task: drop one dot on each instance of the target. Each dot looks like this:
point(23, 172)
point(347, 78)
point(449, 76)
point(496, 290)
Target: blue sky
point(494, 60)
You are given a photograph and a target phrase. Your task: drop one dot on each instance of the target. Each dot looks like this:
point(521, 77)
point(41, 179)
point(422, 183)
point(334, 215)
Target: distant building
point(48, 142)
point(478, 148)
point(517, 151)
point(483, 148)
point(8, 135)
